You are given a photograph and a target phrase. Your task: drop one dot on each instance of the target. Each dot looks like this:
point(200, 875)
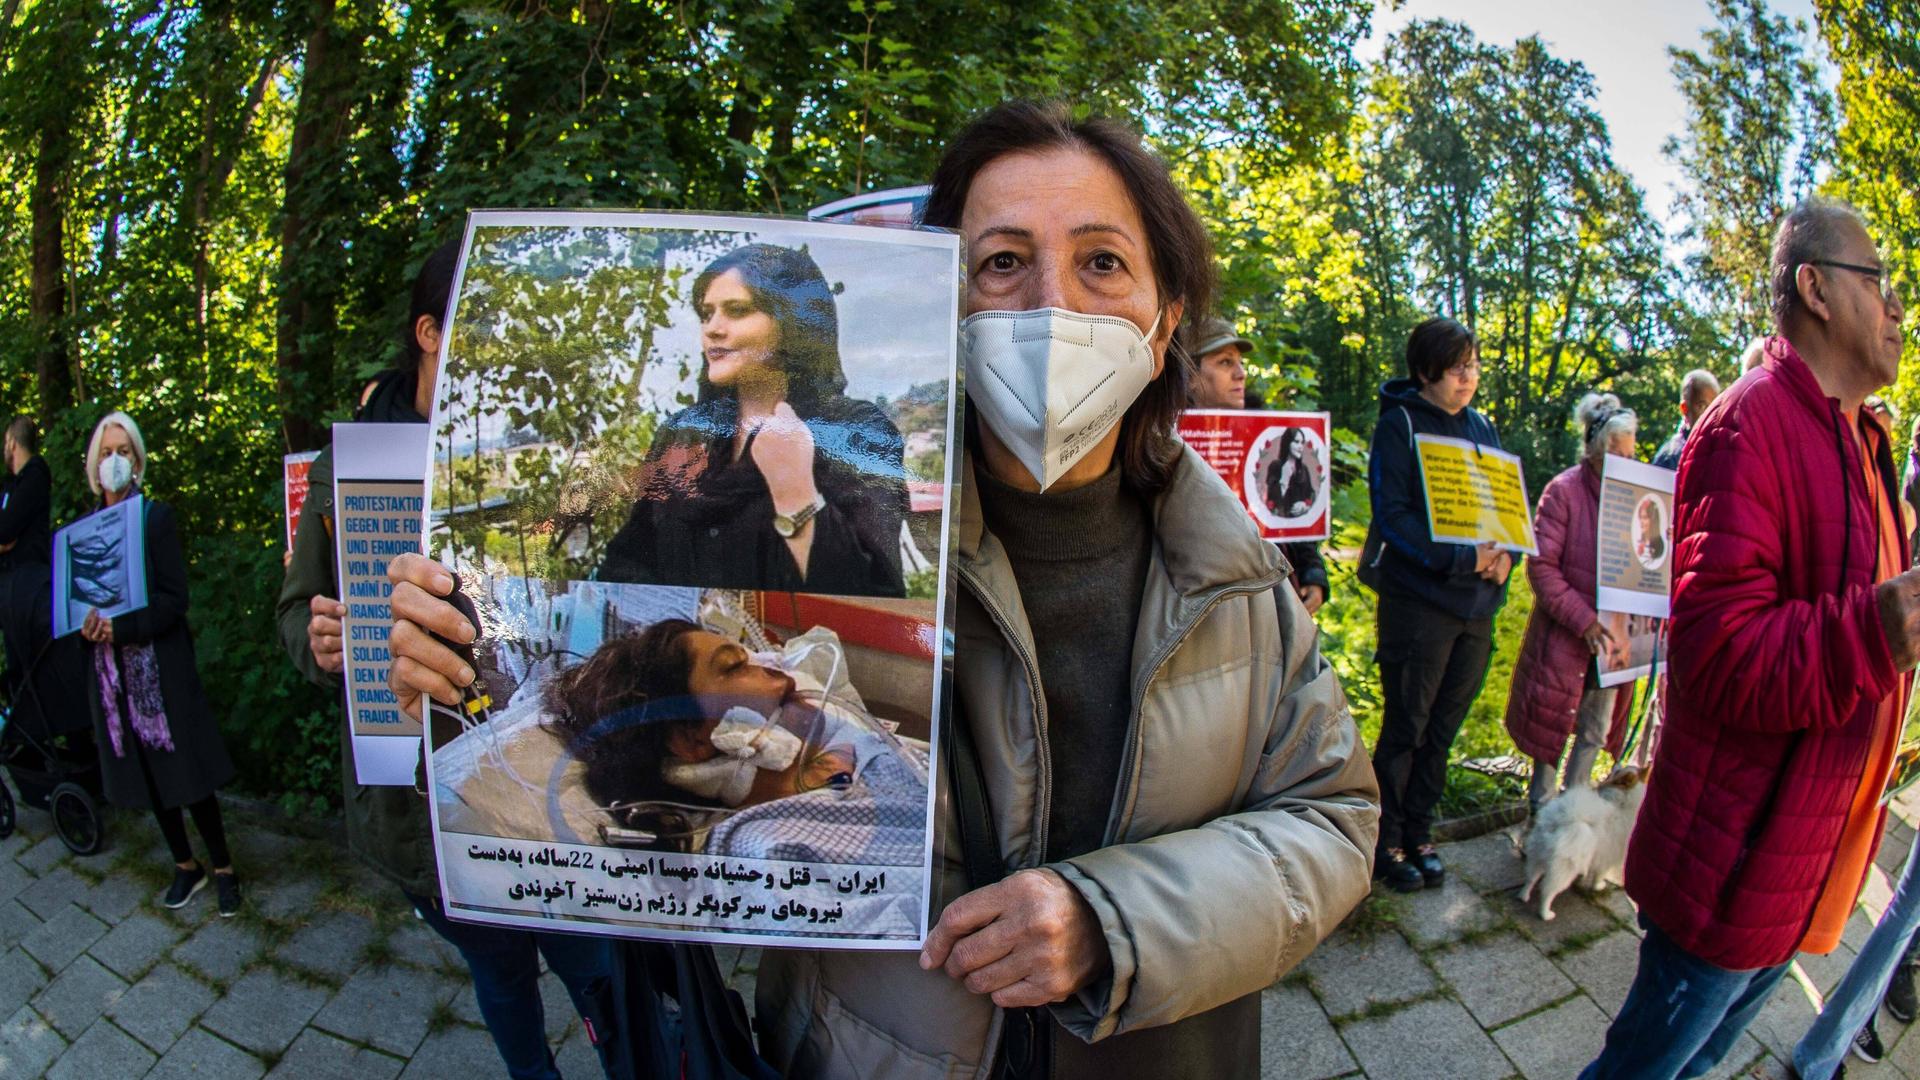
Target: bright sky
point(1623, 43)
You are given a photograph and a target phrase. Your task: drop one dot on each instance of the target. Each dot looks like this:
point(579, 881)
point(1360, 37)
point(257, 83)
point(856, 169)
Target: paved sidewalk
point(327, 974)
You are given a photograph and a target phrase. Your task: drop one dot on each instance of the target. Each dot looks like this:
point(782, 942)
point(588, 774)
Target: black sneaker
point(1902, 1002)
point(185, 884)
point(1427, 860)
point(227, 886)
point(1399, 874)
point(1867, 1045)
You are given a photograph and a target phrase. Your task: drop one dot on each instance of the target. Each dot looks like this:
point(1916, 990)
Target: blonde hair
point(1601, 417)
point(125, 423)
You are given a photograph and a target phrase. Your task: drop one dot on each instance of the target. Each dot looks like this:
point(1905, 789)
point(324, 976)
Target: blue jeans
point(1859, 993)
point(505, 963)
point(1682, 1014)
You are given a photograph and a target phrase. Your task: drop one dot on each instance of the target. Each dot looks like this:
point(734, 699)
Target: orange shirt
point(1855, 853)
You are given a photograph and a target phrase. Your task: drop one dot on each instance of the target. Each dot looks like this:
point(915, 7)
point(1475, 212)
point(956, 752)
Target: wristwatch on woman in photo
point(789, 526)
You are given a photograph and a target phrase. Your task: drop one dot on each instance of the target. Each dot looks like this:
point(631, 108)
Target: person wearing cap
point(1220, 382)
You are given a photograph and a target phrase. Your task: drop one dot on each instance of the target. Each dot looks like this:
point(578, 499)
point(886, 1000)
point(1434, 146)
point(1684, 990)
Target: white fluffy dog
point(1581, 835)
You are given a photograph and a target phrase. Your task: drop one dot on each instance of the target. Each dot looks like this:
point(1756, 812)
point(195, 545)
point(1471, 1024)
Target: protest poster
point(694, 474)
point(294, 469)
point(1638, 650)
point(1635, 549)
point(379, 501)
point(1475, 494)
point(1276, 462)
point(100, 564)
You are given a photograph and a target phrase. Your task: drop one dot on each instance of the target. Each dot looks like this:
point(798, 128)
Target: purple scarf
point(143, 695)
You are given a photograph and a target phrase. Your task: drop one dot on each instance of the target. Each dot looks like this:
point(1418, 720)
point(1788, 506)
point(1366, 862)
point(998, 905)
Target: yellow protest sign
point(1474, 494)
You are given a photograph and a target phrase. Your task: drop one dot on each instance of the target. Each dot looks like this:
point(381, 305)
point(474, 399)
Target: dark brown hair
point(786, 284)
point(1181, 249)
point(616, 709)
point(1434, 346)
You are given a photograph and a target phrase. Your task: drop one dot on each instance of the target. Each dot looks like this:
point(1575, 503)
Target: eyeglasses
point(1882, 276)
point(1465, 369)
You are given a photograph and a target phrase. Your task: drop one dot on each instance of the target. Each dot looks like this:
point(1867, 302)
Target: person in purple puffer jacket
point(1556, 691)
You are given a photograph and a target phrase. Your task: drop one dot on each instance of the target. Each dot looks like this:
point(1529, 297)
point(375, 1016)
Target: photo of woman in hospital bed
point(678, 738)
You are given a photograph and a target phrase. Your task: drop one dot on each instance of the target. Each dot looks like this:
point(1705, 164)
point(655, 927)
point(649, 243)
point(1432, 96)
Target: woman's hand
point(1029, 940)
point(783, 452)
point(1483, 556)
point(1597, 638)
point(324, 633)
point(97, 629)
point(1297, 509)
point(1312, 596)
point(422, 665)
point(1499, 568)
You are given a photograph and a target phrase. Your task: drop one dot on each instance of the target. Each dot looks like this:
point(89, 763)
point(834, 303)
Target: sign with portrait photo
point(1638, 649)
point(1635, 548)
point(1276, 462)
point(1475, 494)
point(694, 473)
point(100, 564)
point(293, 472)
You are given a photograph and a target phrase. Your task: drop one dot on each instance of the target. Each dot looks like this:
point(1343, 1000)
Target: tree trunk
point(47, 280)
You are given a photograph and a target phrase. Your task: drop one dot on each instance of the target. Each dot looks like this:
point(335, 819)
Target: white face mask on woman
point(1051, 383)
point(116, 472)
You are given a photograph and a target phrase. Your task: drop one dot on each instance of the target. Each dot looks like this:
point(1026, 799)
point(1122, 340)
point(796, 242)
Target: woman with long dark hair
point(774, 478)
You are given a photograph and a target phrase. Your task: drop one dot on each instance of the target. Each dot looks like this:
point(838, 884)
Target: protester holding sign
point(1555, 685)
point(387, 826)
point(1437, 600)
point(1795, 625)
point(160, 746)
point(1105, 807)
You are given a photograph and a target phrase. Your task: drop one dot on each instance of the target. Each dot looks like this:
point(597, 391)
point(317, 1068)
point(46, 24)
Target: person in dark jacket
point(160, 746)
point(1698, 388)
point(1220, 382)
point(1437, 601)
point(774, 478)
point(388, 827)
point(26, 503)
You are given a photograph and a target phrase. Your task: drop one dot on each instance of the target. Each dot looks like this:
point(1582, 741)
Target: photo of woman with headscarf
point(774, 478)
point(1293, 480)
point(1649, 533)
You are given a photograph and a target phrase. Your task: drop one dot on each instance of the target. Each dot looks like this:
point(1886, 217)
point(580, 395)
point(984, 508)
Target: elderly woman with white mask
point(160, 746)
point(1165, 802)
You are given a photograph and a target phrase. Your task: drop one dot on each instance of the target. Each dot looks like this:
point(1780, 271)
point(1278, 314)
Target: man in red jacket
point(1792, 627)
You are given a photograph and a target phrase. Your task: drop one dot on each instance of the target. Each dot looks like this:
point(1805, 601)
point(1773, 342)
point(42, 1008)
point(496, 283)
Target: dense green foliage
point(216, 208)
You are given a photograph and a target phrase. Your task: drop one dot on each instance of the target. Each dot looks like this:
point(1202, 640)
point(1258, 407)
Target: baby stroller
point(46, 729)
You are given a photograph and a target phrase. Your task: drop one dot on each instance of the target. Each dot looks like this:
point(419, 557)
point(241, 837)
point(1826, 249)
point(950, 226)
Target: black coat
point(706, 519)
point(26, 505)
point(198, 765)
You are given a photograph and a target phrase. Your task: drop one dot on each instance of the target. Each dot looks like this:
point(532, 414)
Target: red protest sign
point(1276, 462)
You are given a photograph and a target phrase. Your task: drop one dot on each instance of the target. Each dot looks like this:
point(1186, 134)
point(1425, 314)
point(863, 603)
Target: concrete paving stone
point(13, 878)
point(46, 853)
point(264, 1011)
point(1893, 854)
point(1297, 1041)
point(77, 996)
point(1501, 977)
point(457, 1051)
point(1423, 1041)
point(136, 944)
point(1557, 1043)
point(316, 1055)
point(103, 1051)
point(1489, 863)
point(577, 1056)
point(1746, 1057)
point(1825, 972)
point(159, 1008)
point(115, 898)
point(1858, 929)
point(465, 1006)
point(1785, 1017)
point(1876, 893)
point(290, 900)
point(28, 1044)
point(331, 945)
point(1348, 973)
point(1617, 903)
point(1604, 969)
point(16, 922)
point(1437, 916)
point(386, 1009)
point(1906, 1052)
point(221, 949)
point(64, 936)
point(21, 977)
point(1574, 918)
point(200, 1056)
point(55, 890)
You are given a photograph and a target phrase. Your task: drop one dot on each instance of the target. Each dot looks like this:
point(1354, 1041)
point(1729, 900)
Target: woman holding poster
point(160, 746)
point(1127, 891)
point(1556, 689)
point(774, 478)
point(1437, 600)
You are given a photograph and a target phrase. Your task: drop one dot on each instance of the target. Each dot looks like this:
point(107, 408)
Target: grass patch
point(379, 953)
point(1380, 1010)
point(1379, 913)
point(1575, 942)
point(441, 1018)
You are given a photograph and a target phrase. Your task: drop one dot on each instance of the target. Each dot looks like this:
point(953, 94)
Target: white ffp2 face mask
point(116, 472)
point(1052, 383)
